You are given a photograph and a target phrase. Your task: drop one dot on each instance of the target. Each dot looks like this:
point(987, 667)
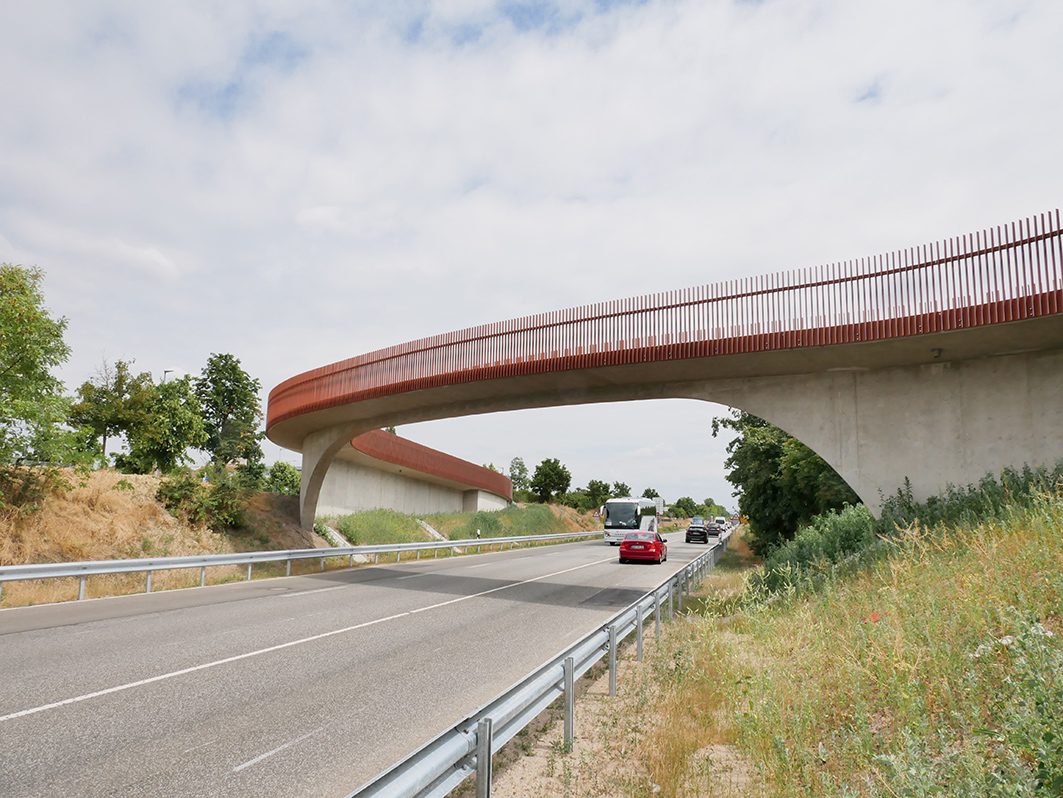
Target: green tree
point(172, 424)
point(283, 478)
point(113, 402)
point(709, 508)
point(780, 482)
point(518, 474)
point(231, 413)
point(598, 492)
point(684, 507)
point(550, 479)
point(578, 499)
point(31, 345)
point(621, 489)
point(650, 493)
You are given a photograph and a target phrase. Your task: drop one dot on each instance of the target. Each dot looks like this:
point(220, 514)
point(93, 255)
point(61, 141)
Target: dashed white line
point(276, 750)
point(280, 646)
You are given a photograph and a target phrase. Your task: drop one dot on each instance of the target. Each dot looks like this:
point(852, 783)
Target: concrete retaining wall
point(352, 487)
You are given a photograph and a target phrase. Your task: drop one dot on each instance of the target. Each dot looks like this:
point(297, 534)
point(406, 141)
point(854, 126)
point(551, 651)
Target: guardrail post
point(418, 554)
point(435, 553)
point(657, 616)
point(612, 660)
point(203, 576)
point(570, 702)
point(1, 591)
point(81, 589)
point(638, 633)
point(671, 607)
point(398, 556)
point(350, 561)
point(483, 758)
point(288, 568)
point(249, 572)
point(147, 584)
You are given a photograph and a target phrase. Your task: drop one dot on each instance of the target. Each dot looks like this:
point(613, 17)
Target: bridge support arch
point(319, 450)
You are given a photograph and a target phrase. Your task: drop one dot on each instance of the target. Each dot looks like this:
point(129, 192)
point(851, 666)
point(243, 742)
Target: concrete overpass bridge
point(937, 363)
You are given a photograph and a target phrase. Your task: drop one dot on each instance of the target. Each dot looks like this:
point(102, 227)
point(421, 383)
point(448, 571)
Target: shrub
point(283, 478)
point(219, 505)
point(841, 540)
point(24, 489)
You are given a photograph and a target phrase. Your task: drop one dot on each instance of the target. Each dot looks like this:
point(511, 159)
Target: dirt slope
point(106, 515)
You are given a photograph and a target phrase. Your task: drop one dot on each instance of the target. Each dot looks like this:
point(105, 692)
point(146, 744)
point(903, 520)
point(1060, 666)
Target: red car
point(643, 546)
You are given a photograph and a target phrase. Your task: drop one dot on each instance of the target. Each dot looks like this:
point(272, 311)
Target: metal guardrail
point(466, 748)
point(83, 570)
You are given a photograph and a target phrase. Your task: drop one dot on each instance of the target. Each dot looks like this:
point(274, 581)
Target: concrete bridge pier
point(937, 424)
point(319, 450)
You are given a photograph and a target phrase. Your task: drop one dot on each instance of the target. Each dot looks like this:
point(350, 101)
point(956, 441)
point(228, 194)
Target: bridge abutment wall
point(935, 424)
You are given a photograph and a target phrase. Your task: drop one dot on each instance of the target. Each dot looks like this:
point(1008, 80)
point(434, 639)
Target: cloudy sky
point(300, 182)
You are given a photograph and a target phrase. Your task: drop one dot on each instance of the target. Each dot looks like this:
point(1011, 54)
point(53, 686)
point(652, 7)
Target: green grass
point(535, 519)
point(388, 526)
point(378, 527)
point(933, 669)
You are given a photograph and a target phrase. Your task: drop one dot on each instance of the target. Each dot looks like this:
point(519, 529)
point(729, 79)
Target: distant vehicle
point(721, 522)
point(697, 520)
point(697, 534)
point(647, 546)
point(625, 515)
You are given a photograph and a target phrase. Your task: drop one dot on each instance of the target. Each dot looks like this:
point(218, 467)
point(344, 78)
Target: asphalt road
point(305, 685)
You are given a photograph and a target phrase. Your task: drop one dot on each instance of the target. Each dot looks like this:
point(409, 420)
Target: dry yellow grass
point(652, 738)
point(107, 515)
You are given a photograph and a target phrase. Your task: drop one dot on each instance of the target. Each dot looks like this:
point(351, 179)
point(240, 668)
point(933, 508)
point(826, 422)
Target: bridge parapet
point(998, 275)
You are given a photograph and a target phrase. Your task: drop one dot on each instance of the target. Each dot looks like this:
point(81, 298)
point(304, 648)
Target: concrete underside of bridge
point(938, 409)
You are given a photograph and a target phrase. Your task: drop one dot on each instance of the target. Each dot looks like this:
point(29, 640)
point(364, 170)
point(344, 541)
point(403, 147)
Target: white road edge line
point(276, 750)
point(204, 666)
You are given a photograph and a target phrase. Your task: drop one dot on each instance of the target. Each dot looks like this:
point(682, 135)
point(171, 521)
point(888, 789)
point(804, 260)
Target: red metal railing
point(998, 275)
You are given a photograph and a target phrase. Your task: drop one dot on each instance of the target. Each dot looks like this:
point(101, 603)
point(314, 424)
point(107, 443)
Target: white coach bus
point(621, 516)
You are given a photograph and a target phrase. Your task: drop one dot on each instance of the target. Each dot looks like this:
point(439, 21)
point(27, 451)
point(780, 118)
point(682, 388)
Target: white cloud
point(300, 182)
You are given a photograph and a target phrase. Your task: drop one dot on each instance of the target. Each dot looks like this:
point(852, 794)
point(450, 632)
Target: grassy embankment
point(926, 663)
point(389, 526)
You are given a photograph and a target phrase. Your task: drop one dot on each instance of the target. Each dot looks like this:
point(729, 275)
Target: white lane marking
point(312, 590)
point(481, 565)
point(201, 745)
point(411, 576)
point(278, 647)
point(276, 750)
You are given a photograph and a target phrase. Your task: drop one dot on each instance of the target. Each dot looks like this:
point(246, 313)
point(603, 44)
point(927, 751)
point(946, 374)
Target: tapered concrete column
point(319, 450)
point(936, 424)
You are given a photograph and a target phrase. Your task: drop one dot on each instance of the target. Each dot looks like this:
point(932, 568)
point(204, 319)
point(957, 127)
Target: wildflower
point(874, 617)
point(1007, 640)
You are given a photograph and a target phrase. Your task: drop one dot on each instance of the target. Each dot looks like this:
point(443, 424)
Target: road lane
point(316, 717)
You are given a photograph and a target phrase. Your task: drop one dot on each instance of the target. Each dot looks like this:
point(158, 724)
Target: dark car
point(647, 546)
point(697, 533)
